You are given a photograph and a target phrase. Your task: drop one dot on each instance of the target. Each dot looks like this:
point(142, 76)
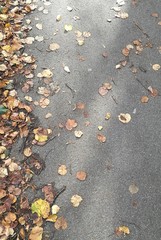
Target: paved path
point(132, 152)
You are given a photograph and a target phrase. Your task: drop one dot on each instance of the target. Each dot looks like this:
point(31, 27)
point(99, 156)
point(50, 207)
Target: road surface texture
point(131, 154)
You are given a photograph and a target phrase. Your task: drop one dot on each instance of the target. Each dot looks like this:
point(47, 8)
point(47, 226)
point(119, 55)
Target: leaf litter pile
point(20, 218)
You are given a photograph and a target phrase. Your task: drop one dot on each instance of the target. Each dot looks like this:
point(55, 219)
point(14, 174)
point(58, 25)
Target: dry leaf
point(55, 209)
point(80, 41)
point(62, 170)
point(41, 207)
point(102, 91)
point(122, 15)
point(78, 134)
point(58, 18)
point(70, 124)
point(68, 28)
point(86, 34)
point(101, 138)
point(144, 99)
point(76, 200)
point(39, 38)
point(124, 117)
point(28, 98)
point(39, 26)
point(81, 175)
point(54, 46)
point(61, 223)
point(44, 102)
point(66, 68)
point(156, 67)
point(153, 91)
point(108, 116)
point(125, 52)
point(69, 8)
point(27, 152)
point(36, 233)
point(3, 67)
point(122, 230)
point(100, 128)
point(47, 73)
point(52, 218)
point(154, 14)
point(29, 40)
point(80, 105)
point(133, 188)
point(48, 115)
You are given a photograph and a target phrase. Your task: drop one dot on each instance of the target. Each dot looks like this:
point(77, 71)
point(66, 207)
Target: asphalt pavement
point(132, 151)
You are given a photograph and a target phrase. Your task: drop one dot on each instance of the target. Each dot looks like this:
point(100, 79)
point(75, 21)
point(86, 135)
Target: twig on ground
point(60, 192)
point(72, 90)
point(114, 99)
point(141, 29)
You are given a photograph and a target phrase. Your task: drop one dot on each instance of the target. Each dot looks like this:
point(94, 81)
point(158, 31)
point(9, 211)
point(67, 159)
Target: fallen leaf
point(81, 175)
point(41, 137)
point(39, 26)
point(133, 188)
point(36, 233)
point(54, 46)
point(80, 105)
point(102, 91)
point(125, 52)
point(108, 116)
point(48, 115)
point(68, 28)
point(52, 218)
point(100, 128)
point(47, 73)
point(62, 170)
point(39, 38)
point(76, 200)
point(61, 223)
point(70, 124)
point(78, 134)
point(101, 138)
point(124, 117)
point(122, 230)
point(55, 209)
point(86, 34)
point(58, 18)
point(122, 15)
point(29, 40)
point(80, 41)
point(41, 207)
point(144, 99)
point(153, 91)
point(69, 8)
point(49, 192)
point(66, 68)
point(27, 152)
point(155, 14)
point(44, 102)
point(105, 54)
point(156, 67)
point(3, 67)
point(28, 98)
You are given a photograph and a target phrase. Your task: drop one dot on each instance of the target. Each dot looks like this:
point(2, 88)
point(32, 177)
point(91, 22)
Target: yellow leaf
point(124, 230)
point(68, 28)
point(7, 48)
point(52, 218)
point(41, 207)
point(41, 138)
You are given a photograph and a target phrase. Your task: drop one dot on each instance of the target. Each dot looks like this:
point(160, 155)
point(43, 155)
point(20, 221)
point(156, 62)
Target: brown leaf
point(153, 91)
point(81, 175)
point(61, 223)
point(36, 233)
point(80, 105)
point(125, 52)
point(144, 99)
point(101, 138)
point(102, 91)
point(49, 192)
point(70, 124)
point(105, 54)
